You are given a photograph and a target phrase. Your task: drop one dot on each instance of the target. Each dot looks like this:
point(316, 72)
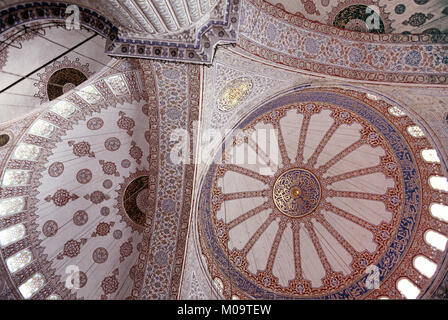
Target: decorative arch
point(25, 13)
point(326, 50)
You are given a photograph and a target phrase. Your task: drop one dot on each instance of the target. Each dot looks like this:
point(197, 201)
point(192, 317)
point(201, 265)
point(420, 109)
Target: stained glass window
point(439, 183)
point(11, 205)
point(64, 109)
point(26, 152)
point(90, 94)
point(12, 234)
point(430, 155)
point(425, 266)
point(372, 97)
point(42, 128)
point(30, 287)
point(408, 289)
point(16, 178)
point(397, 112)
point(439, 211)
point(19, 260)
point(436, 240)
point(219, 285)
point(117, 85)
point(416, 131)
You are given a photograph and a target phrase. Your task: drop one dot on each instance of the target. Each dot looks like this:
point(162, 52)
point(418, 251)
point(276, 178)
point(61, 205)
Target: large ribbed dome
point(315, 190)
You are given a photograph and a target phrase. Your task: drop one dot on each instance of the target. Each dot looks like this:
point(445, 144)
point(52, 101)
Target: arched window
point(436, 240)
point(425, 266)
point(439, 183)
point(117, 84)
point(64, 109)
point(372, 97)
point(90, 94)
point(12, 234)
point(16, 178)
point(439, 211)
point(397, 112)
point(11, 206)
point(19, 260)
point(416, 132)
point(219, 285)
point(42, 128)
point(26, 152)
point(407, 288)
point(430, 155)
point(30, 287)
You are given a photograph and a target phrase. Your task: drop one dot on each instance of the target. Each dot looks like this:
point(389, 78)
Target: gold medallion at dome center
point(296, 193)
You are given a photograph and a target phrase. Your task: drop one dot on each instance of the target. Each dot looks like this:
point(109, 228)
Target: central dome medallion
point(296, 192)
